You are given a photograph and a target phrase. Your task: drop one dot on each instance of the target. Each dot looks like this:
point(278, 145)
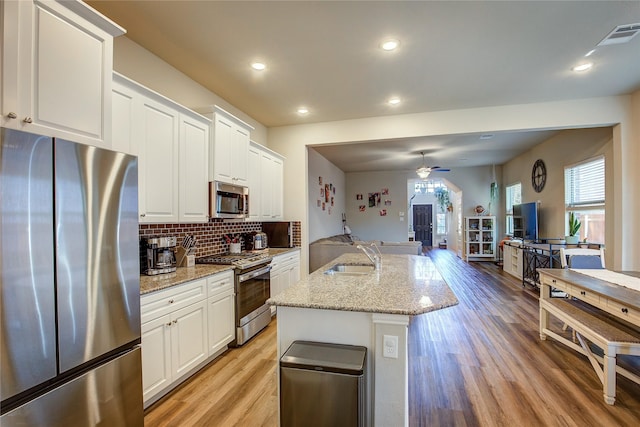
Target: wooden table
point(621, 302)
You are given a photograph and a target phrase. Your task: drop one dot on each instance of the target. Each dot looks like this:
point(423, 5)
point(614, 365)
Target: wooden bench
point(588, 324)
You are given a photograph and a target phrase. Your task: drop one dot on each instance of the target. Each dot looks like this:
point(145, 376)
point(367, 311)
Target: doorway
point(423, 224)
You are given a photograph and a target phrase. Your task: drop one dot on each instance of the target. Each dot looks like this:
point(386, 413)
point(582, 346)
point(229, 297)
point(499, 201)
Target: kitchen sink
point(350, 269)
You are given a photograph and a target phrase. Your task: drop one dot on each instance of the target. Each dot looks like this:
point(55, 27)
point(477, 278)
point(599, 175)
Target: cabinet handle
point(12, 115)
point(170, 301)
point(625, 310)
point(142, 215)
point(169, 324)
point(553, 280)
point(27, 120)
point(175, 321)
point(583, 293)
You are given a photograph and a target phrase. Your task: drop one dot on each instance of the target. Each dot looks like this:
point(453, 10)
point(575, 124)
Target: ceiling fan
point(424, 171)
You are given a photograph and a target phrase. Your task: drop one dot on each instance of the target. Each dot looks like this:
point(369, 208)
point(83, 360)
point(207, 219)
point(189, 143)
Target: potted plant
point(574, 227)
point(442, 196)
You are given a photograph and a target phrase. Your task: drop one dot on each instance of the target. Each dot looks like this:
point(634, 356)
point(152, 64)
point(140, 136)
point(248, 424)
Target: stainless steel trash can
point(322, 384)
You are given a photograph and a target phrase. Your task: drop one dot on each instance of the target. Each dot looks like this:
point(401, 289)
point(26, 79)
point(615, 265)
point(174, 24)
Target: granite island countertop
point(405, 284)
point(186, 274)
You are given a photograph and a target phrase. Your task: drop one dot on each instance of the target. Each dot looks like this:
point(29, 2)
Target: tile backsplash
point(209, 240)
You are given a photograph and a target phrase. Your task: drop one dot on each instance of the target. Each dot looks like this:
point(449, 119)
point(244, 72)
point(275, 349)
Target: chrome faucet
point(371, 254)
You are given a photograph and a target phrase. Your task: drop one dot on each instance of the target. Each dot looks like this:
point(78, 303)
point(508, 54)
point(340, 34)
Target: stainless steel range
point(252, 289)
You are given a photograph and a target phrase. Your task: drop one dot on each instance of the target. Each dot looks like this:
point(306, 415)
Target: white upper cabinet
point(172, 145)
point(194, 148)
point(229, 149)
point(57, 60)
point(158, 163)
point(265, 183)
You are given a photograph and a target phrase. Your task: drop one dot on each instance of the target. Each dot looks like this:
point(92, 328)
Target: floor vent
point(621, 34)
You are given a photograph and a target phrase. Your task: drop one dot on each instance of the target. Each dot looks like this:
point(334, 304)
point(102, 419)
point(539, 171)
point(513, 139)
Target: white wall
point(370, 225)
point(137, 63)
point(327, 222)
point(291, 141)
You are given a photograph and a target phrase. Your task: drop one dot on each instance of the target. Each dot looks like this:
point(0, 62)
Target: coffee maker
point(157, 255)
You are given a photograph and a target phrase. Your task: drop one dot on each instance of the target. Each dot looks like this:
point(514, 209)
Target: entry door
point(423, 224)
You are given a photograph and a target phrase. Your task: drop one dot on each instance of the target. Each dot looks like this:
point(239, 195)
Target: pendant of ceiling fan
point(424, 171)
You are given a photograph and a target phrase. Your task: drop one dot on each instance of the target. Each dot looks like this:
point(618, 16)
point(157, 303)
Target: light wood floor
point(480, 363)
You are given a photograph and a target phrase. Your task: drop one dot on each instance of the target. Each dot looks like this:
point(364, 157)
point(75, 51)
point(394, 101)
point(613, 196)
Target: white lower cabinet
point(221, 313)
point(285, 271)
point(182, 327)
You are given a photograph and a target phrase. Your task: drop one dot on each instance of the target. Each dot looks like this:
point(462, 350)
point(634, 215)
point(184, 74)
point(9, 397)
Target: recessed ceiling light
point(583, 67)
point(394, 101)
point(390, 44)
point(258, 66)
point(303, 111)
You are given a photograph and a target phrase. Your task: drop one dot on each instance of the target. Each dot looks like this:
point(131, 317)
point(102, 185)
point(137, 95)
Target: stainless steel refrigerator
point(69, 284)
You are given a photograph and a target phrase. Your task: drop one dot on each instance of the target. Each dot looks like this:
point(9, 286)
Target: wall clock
point(538, 175)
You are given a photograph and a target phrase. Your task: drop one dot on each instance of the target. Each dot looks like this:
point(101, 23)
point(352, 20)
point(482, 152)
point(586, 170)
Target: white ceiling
point(452, 55)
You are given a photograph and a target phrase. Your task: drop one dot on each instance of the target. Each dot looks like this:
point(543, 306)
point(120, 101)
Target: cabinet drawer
point(159, 303)
point(220, 283)
point(623, 311)
point(281, 262)
point(555, 283)
point(584, 295)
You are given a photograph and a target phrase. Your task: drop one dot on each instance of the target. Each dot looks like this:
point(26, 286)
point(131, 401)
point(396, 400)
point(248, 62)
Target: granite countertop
point(186, 274)
point(405, 284)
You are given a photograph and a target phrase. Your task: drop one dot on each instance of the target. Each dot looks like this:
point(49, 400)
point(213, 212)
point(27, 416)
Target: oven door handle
point(252, 274)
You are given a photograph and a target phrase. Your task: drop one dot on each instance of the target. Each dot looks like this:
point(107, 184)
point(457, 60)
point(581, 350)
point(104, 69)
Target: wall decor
point(326, 192)
point(385, 191)
point(362, 208)
point(323, 206)
point(374, 200)
point(383, 212)
point(331, 201)
point(319, 180)
point(387, 202)
point(318, 202)
point(358, 196)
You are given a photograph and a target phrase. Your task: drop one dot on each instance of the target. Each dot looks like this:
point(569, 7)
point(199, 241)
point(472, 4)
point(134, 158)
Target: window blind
point(584, 184)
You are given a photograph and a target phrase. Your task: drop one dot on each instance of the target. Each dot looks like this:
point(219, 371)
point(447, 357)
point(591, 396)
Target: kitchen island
point(372, 310)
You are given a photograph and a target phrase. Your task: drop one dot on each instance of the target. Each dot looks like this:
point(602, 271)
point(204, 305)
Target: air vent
point(621, 34)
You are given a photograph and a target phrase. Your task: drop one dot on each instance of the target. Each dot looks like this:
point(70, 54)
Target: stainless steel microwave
point(228, 200)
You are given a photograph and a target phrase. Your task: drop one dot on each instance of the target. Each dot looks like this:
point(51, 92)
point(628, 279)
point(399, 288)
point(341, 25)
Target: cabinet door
point(124, 113)
point(222, 147)
point(158, 165)
point(156, 356)
point(239, 151)
point(277, 188)
point(255, 183)
point(188, 338)
point(266, 187)
point(63, 65)
point(220, 312)
point(194, 142)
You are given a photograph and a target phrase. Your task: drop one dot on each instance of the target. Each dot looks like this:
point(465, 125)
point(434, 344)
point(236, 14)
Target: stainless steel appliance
point(279, 234)
point(158, 255)
point(228, 201)
point(69, 284)
point(255, 240)
point(252, 289)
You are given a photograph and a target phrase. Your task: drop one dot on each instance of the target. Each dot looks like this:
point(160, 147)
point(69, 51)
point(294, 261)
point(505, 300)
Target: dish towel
point(611, 277)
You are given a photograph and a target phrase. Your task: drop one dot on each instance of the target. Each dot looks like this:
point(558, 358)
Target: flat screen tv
point(525, 221)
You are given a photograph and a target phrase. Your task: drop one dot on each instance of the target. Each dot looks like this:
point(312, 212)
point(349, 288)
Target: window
point(584, 196)
point(514, 197)
point(428, 186)
point(441, 223)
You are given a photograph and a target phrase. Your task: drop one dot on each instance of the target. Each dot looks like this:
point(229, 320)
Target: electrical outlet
point(390, 346)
